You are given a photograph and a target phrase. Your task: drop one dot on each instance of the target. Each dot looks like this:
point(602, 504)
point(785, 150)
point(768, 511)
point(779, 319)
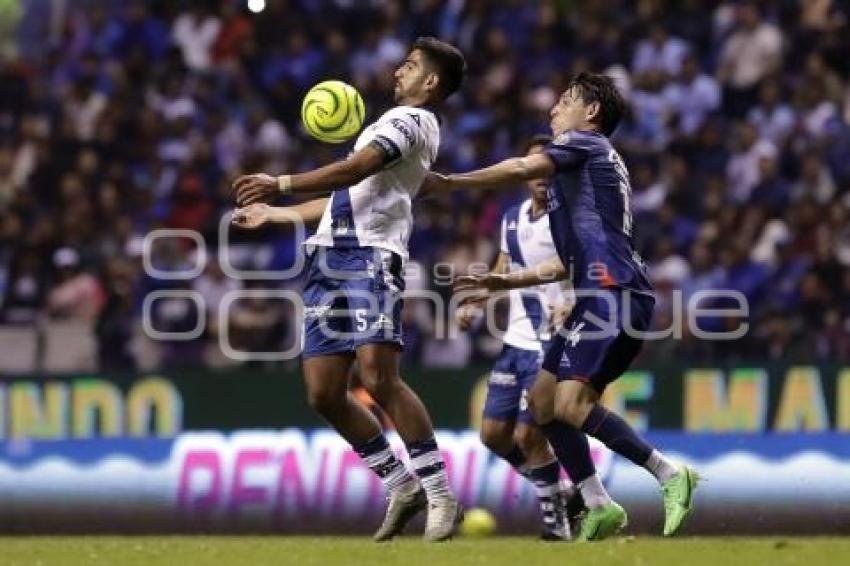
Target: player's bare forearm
point(309, 212)
point(341, 174)
point(260, 187)
point(508, 172)
point(259, 214)
point(545, 272)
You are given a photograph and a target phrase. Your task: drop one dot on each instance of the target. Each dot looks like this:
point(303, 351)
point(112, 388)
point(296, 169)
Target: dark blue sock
point(571, 448)
point(616, 434)
point(515, 458)
point(546, 474)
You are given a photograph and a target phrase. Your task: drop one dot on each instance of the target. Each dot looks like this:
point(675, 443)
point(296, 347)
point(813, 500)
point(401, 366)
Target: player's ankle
point(410, 486)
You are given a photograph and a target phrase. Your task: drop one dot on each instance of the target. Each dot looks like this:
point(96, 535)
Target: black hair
point(538, 139)
point(448, 60)
point(592, 87)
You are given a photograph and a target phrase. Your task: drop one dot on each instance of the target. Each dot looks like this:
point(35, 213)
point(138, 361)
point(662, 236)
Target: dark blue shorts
point(352, 297)
point(594, 345)
point(509, 383)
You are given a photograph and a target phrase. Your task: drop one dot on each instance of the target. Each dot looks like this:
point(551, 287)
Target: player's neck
point(538, 207)
point(422, 101)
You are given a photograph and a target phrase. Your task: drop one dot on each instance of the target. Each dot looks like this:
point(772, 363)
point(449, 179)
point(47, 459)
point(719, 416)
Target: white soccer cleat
point(403, 506)
point(444, 517)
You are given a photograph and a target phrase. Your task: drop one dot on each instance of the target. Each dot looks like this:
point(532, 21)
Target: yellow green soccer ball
point(478, 522)
point(333, 112)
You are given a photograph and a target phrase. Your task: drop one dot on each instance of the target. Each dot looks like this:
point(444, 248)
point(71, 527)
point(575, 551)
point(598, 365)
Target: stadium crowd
point(120, 117)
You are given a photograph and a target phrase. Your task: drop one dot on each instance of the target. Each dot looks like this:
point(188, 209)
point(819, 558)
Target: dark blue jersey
point(590, 214)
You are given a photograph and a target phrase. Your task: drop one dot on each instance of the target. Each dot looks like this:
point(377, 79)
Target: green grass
point(327, 551)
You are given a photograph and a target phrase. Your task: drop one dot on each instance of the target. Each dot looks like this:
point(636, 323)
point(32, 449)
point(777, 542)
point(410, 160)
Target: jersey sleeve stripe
point(342, 220)
point(512, 237)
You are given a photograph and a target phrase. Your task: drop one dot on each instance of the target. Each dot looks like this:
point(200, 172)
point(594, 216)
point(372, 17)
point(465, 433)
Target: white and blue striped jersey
point(528, 242)
point(377, 210)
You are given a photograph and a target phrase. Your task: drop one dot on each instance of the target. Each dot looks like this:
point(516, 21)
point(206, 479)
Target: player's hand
point(436, 182)
point(479, 287)
point(257, 187)
point(465, 316)
point(558, 314)
point(252, 216)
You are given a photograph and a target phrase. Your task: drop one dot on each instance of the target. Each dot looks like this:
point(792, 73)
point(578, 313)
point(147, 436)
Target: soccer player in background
point(507, 426)
point(354, 283)
point(591, 223)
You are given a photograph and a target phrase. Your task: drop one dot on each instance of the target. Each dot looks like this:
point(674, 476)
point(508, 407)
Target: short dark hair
point(538, 139)
point(448, 60)
point(592, 87)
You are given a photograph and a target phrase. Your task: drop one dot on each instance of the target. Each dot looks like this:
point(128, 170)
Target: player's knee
point(529, 439)
point(573, 410)
point(379, 381)
point(496, 436)
point(540, 405)
point(324, 400)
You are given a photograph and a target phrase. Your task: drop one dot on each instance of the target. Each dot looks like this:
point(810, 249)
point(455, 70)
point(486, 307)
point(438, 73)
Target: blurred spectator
point(77, 294)
point(115, 324)
point(195, 32)
point(752, 52)
point(692, 96)
point(815, 181)
point(659, 52)
point(743, 171)
point(774, 118)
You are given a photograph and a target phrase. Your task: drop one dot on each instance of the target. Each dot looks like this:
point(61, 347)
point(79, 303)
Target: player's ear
point(432, 82)
point(593, 110)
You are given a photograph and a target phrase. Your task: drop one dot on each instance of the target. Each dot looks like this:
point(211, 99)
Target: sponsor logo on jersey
point(404, 129)
point(501, 378)
point(317, 311)
point(552, 200)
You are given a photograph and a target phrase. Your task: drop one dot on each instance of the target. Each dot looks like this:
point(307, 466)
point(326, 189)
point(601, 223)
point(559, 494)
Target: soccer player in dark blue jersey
point(591, 223)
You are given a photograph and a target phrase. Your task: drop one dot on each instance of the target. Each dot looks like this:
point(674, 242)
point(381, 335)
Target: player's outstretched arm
point(470, 310)
point(544, 272)
point(508, 172)
point(260, 187)
point(258, 214)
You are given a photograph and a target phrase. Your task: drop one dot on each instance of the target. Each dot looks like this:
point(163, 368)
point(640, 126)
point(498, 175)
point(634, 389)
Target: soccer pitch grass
point(327, 551)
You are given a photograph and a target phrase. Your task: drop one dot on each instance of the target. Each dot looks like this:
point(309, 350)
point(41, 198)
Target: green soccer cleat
point(678, 494)
point(602, 522)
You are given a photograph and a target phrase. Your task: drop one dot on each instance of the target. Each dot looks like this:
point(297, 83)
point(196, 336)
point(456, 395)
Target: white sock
point(660, 466)
point(429, 467)
point(593, 492)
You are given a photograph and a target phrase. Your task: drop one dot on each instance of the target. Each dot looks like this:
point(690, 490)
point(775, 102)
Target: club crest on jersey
point(526, 233)
point(383, 323)
point(342, 226)
point(563, 139)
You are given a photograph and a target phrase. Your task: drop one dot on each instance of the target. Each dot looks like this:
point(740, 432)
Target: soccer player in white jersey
point(507, 426)
point(353, 288)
